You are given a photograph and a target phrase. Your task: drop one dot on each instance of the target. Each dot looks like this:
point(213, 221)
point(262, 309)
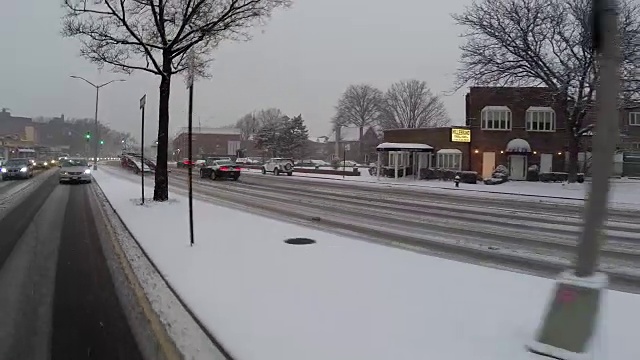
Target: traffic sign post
point(190, 81)
point(143, 103)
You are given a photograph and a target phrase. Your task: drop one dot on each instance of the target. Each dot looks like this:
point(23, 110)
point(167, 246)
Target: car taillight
point(224, 168)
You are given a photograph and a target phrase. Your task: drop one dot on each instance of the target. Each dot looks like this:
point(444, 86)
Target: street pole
point(191, 76)
point(97, 135)
point(143, 102)
point(571, 320)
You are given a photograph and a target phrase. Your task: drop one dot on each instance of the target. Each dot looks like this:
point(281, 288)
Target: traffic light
point(87, 135)
point(101, 142)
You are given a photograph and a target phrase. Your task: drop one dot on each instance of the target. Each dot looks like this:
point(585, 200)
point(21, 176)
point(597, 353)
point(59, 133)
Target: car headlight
point(88, 171)
point(24, 169)
point(63, 173)
point(45, 163)
point(4, 170)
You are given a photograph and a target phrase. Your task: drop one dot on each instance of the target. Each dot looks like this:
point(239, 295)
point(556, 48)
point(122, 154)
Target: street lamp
point(97, 135)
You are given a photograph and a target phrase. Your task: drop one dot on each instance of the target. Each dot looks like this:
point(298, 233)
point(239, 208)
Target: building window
point(634, 119)
point(496, 118)
point(449, 159)
point(541, 119)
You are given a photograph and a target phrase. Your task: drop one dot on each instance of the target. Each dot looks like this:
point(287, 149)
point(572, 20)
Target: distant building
point(351, 146)
point(208, 141)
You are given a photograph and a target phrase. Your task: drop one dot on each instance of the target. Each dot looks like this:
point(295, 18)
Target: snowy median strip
point(339, 298)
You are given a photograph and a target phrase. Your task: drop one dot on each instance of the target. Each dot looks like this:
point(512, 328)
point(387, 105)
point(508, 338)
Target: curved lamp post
point(96, 136)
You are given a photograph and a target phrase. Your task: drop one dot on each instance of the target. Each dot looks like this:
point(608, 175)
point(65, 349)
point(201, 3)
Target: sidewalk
point(340, 298)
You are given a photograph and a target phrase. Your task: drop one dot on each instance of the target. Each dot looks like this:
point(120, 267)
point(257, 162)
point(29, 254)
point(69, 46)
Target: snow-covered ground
point(343, 299)
point(625, 192)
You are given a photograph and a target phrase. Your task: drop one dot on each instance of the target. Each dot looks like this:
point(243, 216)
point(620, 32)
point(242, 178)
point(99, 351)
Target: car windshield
point(74, 162)
point(225, 162)
point(17, 162)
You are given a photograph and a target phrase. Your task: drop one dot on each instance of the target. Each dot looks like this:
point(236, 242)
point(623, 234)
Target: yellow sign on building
point(461, 135)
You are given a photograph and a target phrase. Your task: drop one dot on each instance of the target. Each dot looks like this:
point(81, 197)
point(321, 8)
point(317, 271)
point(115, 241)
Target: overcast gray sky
point(302, 61)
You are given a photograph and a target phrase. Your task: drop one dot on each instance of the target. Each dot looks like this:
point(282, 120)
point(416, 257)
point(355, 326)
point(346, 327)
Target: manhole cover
point(300, 241)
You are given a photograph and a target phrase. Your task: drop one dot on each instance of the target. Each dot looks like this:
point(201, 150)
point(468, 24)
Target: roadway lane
point(57, 298)
point(527, 236)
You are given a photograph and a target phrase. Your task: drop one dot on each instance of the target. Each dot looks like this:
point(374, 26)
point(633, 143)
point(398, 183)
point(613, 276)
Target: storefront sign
point(461, 135)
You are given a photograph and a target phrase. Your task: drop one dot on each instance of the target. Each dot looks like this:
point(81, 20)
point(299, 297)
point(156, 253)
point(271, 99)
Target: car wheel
point(235, 178)
point(201, 174)
point(213, 175)
point(289, 173)
point(276, 171)
point(288, 167)
point(264, 170)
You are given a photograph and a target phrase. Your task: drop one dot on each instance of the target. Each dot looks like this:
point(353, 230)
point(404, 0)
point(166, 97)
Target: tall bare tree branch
point(410, 104)
point(155, 36)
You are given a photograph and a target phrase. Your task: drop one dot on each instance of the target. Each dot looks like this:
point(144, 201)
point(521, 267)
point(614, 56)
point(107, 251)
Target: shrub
point(533, 173)
point(559, 177)
point(468, 177)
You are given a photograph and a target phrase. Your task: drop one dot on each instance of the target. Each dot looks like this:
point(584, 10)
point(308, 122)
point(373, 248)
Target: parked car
point(74, 170)
point(278, 165)
point(17, 169)
point(220, 169)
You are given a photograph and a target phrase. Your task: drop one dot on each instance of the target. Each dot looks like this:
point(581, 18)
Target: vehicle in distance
point(278, 165)
point(220, 169)
point(74, 170)
point(17, 169)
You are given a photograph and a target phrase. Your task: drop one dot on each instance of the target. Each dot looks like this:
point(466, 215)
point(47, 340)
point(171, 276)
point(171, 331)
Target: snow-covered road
point(535, 237)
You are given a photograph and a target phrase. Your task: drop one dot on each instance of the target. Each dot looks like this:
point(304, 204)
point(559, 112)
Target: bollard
point(457, 180)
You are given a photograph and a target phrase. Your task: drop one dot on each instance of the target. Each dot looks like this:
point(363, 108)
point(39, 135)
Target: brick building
point(448, 154)
point(516, 127)
point(208, 142)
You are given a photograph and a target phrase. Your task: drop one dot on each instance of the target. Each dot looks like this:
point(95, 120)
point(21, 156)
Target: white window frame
point(496, 118)
point(541, 116)
point(446, 160)
point(634, 119)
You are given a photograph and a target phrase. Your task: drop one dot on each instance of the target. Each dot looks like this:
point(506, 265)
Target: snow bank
point(343, 299)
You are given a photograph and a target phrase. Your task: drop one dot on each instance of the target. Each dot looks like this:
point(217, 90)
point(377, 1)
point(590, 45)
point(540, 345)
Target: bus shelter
point(405, 154)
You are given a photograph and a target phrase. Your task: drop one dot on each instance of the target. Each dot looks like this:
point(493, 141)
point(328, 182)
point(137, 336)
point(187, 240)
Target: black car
point(220, 169)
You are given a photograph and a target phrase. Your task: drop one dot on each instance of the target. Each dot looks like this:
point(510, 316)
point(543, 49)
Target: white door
point(546, 163)
point(517, 167)
point(488, 164)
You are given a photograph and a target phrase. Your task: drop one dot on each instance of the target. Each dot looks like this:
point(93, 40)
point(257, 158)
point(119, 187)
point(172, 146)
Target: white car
point(74, 170)
point(278, 165)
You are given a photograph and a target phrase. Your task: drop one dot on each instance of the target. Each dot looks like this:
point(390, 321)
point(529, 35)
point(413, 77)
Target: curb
point(164, 326)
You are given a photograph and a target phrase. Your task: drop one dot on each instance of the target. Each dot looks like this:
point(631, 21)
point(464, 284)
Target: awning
point(518, 146)
point(449, 151)
point(412, 147)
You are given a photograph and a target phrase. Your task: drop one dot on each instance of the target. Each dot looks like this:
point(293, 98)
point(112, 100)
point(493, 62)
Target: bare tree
point(155, 36)
point(546, 43)
point(360, 106)
point(248, 125)
point(410, 104)
point(269, 116)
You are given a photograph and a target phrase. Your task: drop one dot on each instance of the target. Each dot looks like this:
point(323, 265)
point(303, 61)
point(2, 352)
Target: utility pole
point(570, 323)
point(97, 129)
